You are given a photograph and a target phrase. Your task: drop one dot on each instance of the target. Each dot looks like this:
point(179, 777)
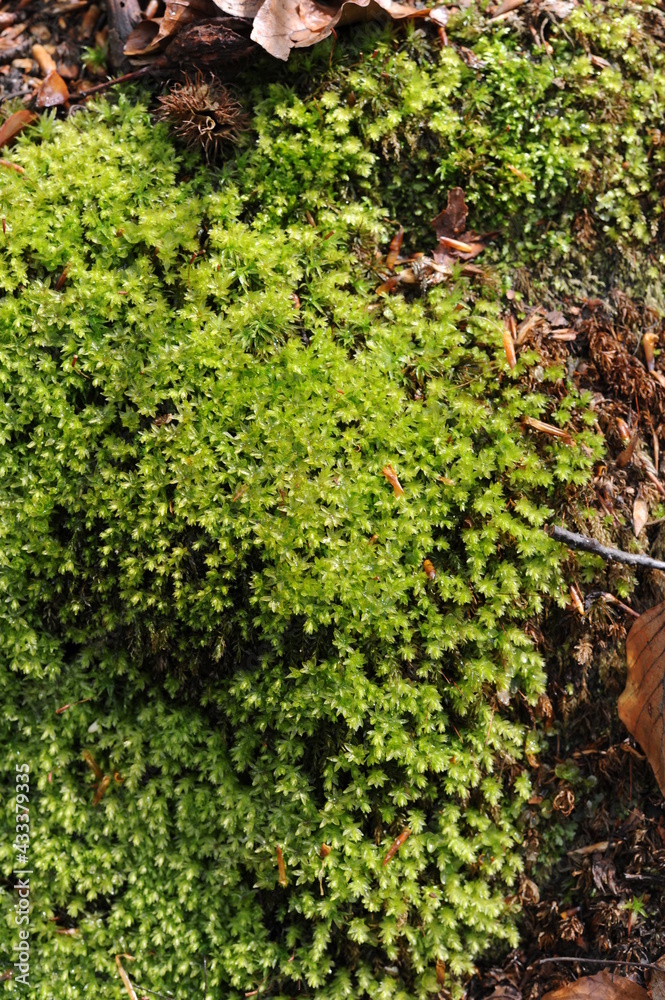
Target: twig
point(100, 87)
point(604, 961)
point(591, 545)
point(144, 989)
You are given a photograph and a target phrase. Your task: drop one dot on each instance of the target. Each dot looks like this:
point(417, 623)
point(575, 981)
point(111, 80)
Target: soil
point(593, 784)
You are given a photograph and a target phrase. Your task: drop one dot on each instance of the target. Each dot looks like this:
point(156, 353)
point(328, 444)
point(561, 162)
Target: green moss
point(197, 535)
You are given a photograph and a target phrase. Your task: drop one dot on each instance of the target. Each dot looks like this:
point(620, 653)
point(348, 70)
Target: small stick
point(134, 75)
point(144, 989)
point(604, 961)
point(575, 541)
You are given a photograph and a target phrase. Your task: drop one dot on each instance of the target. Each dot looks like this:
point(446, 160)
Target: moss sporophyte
point(204, 557)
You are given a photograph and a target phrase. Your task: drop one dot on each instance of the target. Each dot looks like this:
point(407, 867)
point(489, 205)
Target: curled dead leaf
point(15, 124)
point(52, 92)
point(395, 247)
point(642, 704)
point(602, 986)
point(452, 220)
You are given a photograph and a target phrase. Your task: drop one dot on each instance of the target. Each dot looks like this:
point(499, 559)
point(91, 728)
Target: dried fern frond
point(203, 113)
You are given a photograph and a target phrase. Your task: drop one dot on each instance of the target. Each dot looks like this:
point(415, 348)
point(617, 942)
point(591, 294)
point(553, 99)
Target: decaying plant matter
point(192, 32)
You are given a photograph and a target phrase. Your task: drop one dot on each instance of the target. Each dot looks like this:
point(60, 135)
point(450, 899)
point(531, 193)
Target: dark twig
point(603, 961)
point(591, 545)
point(134, 75)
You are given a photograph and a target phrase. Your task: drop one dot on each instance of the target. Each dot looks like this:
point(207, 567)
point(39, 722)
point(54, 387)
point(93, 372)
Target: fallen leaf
point(43, 58)
point(281, 25)
point(452, 221)
point(14, 125)
point(602, 986)
point(52, 92)
point(141, 40)
point(395, 247)
point(640, 516)
point(657, 984)
point(598, 848)
point(642, 704)
point(626, 455)
point(506, 7)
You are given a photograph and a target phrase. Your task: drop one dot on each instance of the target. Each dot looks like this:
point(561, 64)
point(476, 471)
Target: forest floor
point(595, 834)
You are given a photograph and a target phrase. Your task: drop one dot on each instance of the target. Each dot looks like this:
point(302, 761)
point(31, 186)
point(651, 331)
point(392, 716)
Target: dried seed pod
point(203, 113)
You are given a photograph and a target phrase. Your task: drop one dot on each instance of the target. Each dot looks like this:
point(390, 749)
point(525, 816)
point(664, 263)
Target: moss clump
point(207, 548)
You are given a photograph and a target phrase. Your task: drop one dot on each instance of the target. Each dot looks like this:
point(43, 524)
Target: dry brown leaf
point(149, 36)
point(43, 58)
point(602, 986)
point(626, 455)
point(52, 92)
point(657, 984)
point(452, 221)
point(281, 25)
point(395, 247)
point(14, 125)
point(598, 848)
point(642, 704)
point(240, 8)
point(640, 516)
point(141, 40)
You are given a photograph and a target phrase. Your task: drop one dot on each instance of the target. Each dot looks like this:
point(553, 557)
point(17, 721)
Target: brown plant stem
point(101, 87)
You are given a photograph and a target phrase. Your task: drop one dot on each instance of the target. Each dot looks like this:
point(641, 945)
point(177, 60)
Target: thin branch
point(591, 545)
point(134, 75)
point(144, 989)
point(604, 961)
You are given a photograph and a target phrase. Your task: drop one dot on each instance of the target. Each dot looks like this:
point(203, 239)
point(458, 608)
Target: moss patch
point(200, 391)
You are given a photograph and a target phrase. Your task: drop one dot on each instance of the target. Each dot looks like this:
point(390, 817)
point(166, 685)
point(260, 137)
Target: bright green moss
point(196, 535)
